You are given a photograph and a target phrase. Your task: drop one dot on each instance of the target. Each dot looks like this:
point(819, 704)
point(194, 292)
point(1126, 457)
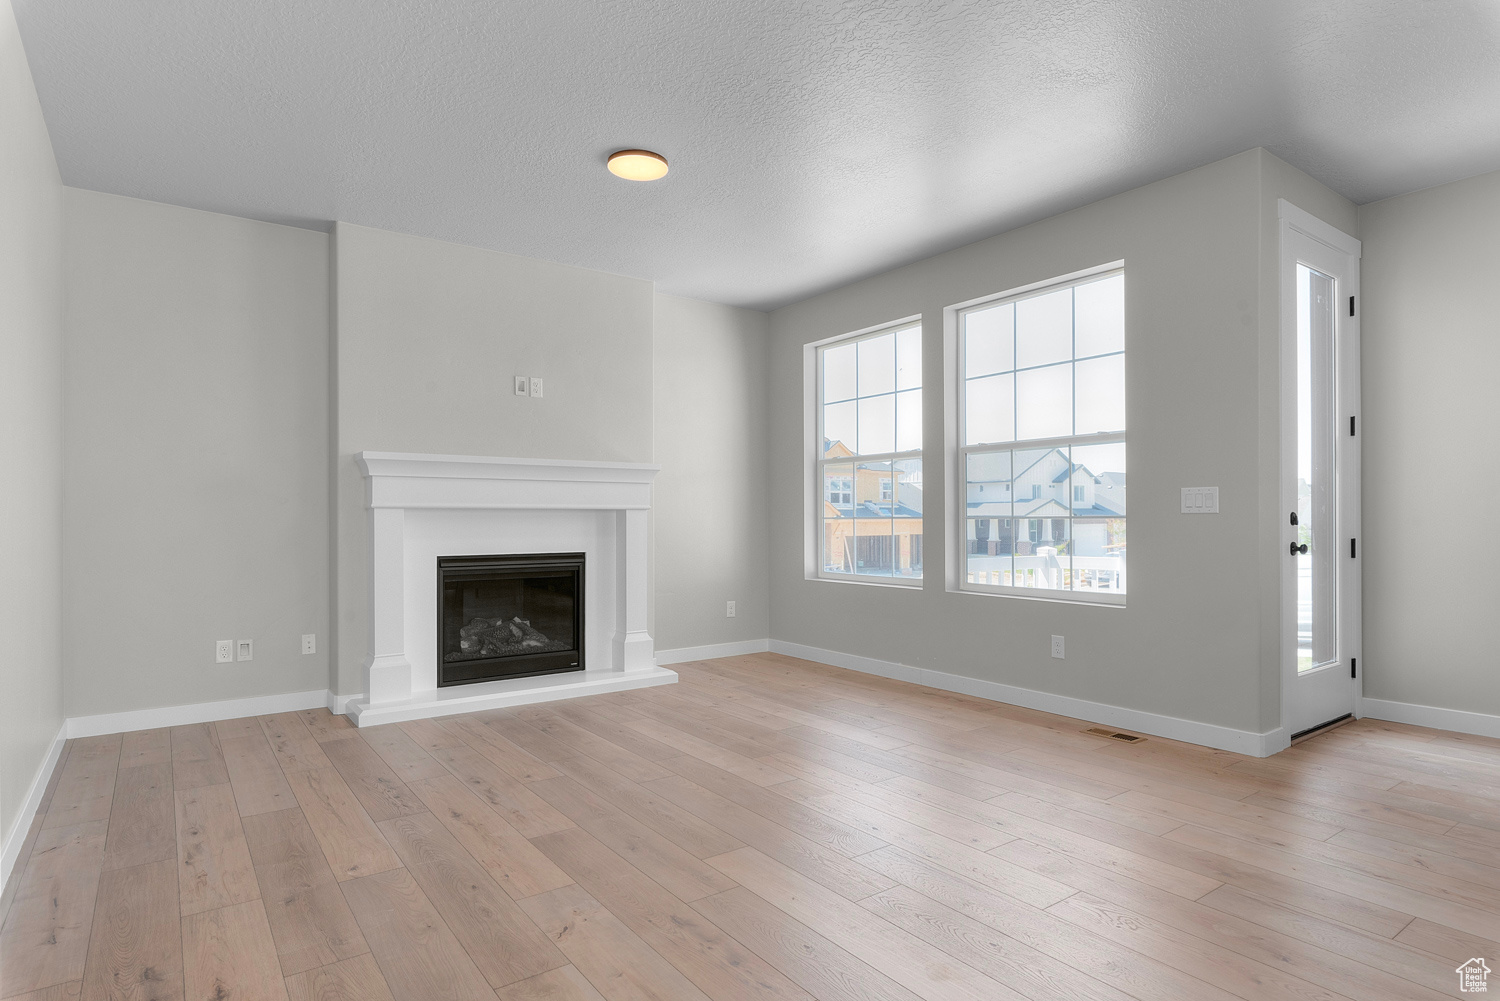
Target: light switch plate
point(1200, 500)
point(245, 650)
point(523, 386)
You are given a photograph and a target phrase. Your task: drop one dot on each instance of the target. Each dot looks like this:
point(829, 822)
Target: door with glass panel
point(1320, 473)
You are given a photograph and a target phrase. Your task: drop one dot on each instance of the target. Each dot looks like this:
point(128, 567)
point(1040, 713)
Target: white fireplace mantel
point(423, 506)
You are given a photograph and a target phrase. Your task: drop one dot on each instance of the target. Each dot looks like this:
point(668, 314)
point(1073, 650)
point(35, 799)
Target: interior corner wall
point(31, 435)
point(1189, 642)
point(428, 338)
point(1431, 349)
point(195, 504)
point(709, 513)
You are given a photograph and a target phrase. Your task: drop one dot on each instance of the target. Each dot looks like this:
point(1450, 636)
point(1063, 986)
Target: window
point(1042, 440)
point(869, 463)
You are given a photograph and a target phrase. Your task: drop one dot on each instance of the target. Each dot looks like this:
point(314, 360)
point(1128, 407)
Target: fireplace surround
point(424, 507)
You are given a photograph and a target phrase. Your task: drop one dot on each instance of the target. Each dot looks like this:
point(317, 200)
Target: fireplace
point(509, 616)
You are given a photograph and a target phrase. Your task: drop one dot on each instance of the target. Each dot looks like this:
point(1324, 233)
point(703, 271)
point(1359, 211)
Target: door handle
point(1299, 550)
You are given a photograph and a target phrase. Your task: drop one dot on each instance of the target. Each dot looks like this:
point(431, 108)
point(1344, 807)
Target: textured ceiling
point(811, 143)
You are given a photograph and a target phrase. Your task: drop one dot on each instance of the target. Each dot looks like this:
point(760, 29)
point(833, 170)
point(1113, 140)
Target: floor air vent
point(1101, 732)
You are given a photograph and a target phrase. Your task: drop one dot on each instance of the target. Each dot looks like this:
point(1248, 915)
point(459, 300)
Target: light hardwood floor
point(767, 828)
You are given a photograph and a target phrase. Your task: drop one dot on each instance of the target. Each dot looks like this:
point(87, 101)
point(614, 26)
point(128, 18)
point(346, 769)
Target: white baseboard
point(21, 826)
point(337, 704)
point(688, 653)
point(202, 712)
point(1209, 735)
point(1457, 720)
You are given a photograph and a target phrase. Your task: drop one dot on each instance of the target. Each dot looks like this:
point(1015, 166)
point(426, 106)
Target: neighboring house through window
point(869, 464)
point(1042, 440)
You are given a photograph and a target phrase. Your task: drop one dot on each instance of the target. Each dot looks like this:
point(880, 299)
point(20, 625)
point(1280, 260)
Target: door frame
point(1295, 223)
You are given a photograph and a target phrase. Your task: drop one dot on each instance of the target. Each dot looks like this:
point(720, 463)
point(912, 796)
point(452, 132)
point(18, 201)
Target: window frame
point(816, 569)
point(960, 452)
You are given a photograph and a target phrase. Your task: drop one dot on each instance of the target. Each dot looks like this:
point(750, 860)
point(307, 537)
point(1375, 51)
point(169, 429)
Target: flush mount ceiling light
point(637, 164)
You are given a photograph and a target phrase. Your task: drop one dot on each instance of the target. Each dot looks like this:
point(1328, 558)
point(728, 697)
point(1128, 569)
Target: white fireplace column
point(479, 505)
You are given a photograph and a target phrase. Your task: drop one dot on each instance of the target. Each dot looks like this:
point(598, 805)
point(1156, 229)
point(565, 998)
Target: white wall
point(1197, 637)
point(1431, 353)
point(31, 433)
point(196, 493)
point(710, 515)
point(428, 336)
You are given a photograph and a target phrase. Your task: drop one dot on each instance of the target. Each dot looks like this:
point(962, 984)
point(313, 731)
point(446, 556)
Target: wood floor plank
point(679, 871)
point(257, 780)
point(228, 953)
point(562, 984)
point(909, 961)
point(146, 747)
point(404, 756)
point(229, 729)
point(522, 809)
point(60, 992)
point(293, 745)
point(429, 734)
point(1064, 942)
point(499, 937)
point(325, 726)
point(196, 760)
point(747, 768)
point(135, 950)
point(716, 963)
point(310, 920)
point(214, 867)
point(998, 956)
point(416, 951)
point(45, 938)
point(613, 958)
point(663, 816)
point(379, 791)
point(87, 787)
point(585, 742)
point(349, 838)
point(823, 865)
point(511, 860)
point(821, 967)
point(142, 824)
point(356, 979)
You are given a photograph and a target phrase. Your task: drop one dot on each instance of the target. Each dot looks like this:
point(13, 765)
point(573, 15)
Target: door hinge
point(1353, 667)
point(1351, 305)
point(1351, 548)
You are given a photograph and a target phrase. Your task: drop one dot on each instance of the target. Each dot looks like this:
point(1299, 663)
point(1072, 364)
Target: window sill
point(900, 583)
point(1040, 594)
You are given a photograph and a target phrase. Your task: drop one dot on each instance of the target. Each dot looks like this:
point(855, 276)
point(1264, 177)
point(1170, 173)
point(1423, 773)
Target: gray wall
point(428, 336)
point(1194, 640)
point(1431, 351)
point(31, 426)
point(195, 503)
point(710, 500)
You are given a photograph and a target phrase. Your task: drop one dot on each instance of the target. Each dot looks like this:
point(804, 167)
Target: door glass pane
point(1317, 569)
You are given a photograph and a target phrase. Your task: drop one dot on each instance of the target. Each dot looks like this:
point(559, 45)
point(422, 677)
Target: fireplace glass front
point(509, 616)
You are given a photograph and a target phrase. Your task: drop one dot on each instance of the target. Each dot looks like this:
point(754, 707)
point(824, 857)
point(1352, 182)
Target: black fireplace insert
point(509, 616)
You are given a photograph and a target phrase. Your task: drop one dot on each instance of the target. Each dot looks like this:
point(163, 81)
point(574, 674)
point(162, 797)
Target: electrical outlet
point(245, 650)
point(523, 386)
point(1057, 647)
point(536, 387)
point(223, 651)
point(309, 643)
point(728, 609)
